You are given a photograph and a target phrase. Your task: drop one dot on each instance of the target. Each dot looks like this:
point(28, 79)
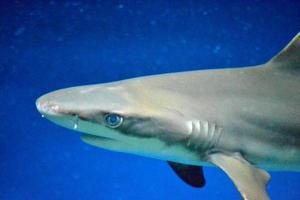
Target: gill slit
point(203, 134)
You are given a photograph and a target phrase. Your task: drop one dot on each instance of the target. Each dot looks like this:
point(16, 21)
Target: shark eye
point(113, 120)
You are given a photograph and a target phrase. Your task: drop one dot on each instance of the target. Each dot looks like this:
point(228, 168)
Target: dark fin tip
point(190, 174)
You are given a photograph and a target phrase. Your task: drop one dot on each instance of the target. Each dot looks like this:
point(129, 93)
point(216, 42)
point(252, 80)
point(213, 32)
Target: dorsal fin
point(289, 57)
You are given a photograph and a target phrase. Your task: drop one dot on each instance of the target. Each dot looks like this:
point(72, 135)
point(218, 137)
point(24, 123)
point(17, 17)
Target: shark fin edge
point(191, 175)
point(289, 57)
point(250, 181)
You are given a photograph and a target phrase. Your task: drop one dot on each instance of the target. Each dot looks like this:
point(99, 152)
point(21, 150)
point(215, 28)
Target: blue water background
point(47, 45)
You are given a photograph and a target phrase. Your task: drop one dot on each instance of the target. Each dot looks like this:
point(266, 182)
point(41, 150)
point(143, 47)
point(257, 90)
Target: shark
point(243, 120)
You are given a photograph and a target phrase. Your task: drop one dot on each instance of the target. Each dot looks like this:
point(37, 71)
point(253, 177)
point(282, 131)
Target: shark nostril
point(54, 108)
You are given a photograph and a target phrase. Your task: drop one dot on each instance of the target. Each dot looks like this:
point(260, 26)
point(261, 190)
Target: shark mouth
point(97, 137)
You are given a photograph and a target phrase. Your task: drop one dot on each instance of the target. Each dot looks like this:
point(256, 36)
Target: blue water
point(46, 45)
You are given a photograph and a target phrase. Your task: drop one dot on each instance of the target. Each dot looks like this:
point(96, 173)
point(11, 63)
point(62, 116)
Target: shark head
point(121, 117)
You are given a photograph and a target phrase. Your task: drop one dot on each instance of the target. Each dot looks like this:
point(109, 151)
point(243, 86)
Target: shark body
point(243, 120)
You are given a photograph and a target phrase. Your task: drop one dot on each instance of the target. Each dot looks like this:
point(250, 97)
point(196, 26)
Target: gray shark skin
point(242, 120)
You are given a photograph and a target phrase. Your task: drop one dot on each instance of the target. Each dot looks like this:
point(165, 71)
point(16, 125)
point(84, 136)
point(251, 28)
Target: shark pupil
point(113, 120)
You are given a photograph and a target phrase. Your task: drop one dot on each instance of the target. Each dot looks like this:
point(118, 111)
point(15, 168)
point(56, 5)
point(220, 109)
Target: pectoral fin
point(249, 180)
point(192, 175)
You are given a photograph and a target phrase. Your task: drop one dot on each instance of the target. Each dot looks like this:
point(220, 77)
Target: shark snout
point(46, 107)
point(52, 103)
point(56, 103)
point(82, 102)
